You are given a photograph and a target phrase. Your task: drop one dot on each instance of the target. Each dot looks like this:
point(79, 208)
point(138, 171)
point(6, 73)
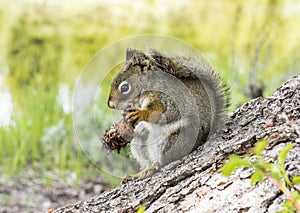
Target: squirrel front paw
point(135, 115)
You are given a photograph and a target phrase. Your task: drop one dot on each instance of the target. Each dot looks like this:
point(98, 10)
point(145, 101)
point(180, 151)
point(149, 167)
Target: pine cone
point(118, 136)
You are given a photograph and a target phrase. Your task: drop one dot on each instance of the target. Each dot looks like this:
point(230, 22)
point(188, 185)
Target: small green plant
point(4, 199)
point(273, 171)
point(141, 209)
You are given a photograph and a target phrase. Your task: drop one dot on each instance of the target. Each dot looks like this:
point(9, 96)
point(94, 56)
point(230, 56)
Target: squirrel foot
point(144, 173)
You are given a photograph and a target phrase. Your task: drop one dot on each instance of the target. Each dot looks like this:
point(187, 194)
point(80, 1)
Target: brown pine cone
point(118, 136)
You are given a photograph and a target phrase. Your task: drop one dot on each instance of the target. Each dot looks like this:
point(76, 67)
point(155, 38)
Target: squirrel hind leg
point(144, 173)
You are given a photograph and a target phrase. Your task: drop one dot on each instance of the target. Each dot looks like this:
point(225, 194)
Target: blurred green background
point(44, 45)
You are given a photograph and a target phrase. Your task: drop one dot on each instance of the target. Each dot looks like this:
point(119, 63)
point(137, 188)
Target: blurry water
point(64, 98)
point(6, 105)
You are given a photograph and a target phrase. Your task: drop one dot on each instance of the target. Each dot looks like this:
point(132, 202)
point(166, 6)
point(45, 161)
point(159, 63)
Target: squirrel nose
point(111, 104)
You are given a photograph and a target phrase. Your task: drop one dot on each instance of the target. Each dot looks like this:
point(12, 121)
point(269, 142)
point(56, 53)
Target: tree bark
point(195, 184)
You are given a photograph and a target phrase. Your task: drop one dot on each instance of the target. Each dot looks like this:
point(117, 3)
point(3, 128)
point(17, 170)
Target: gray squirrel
point(173, 103)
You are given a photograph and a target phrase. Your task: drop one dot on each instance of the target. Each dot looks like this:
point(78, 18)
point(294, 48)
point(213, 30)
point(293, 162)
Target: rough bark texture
point(195, 183)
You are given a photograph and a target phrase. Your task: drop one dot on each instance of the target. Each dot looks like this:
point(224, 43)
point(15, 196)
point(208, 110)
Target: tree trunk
point(195, 183)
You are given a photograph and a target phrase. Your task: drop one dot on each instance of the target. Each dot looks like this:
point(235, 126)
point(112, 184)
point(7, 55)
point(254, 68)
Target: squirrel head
point(130, 83)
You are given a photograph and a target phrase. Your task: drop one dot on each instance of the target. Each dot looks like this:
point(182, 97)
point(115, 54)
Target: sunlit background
point(44, 46)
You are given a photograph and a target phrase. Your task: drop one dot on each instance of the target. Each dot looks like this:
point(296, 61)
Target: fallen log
point(195, 184)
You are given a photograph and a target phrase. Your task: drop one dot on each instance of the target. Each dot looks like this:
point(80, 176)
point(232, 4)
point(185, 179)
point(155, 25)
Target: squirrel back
point(197, 72)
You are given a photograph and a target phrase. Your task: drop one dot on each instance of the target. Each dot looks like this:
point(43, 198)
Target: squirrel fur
point(173, 102)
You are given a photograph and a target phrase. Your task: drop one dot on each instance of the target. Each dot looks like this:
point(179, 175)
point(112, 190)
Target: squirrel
point(172, 102)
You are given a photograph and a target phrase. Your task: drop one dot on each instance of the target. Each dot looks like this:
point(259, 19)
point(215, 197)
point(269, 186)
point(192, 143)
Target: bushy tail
point(217, 90)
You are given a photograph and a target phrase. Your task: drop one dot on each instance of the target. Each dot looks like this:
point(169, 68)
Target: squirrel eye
point(124, 87)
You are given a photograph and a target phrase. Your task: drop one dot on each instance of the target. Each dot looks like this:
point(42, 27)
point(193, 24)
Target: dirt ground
point(29, 193)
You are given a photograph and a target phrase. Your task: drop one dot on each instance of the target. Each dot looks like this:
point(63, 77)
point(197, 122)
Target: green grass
point(45, 46)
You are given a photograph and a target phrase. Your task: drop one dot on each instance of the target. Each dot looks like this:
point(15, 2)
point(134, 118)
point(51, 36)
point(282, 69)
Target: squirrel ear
point(129, 53)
